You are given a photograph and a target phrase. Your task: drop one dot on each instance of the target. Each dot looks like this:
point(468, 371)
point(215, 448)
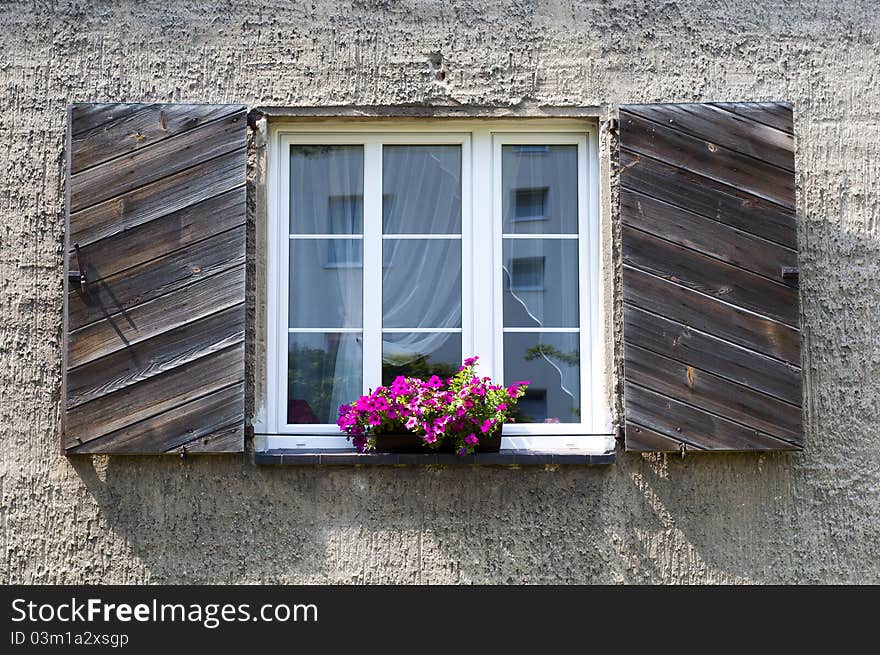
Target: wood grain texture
point(686, 344)
point(711, 328)
point(710, 238)
point(139, 284)
point(168, 195)
point(710, 276)
point(132, 127)
point(155, 344)
point(774, 114)
point(731, 130)
point(162, 159)
point(141, 243)
point(693, 425)
point(705, 197)
point(708, 159)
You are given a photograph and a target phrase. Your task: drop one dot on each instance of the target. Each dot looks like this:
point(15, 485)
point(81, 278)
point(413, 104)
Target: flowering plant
point(459, 411)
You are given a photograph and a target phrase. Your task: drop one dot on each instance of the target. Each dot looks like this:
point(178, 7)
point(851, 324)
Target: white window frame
point(481, 142)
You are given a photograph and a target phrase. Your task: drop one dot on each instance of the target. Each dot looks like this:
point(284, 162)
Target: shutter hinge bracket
point(790, 272)
point(682, 447)
point(253, 116)
point(77, 276)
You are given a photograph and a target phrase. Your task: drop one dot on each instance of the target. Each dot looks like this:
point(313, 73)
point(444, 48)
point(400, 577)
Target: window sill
point(507, 457)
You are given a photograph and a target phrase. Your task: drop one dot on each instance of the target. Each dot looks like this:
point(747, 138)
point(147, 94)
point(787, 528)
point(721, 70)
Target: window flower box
point(463, 414)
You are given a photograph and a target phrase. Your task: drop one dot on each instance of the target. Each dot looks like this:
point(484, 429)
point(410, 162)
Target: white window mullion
point(372, 264)
point(482, 259)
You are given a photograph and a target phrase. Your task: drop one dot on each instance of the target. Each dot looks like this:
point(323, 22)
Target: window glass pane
point(323, 372)
point(326, 189)
point(421, 354)
point(552, 363)
point(540, 282)
point(326, 283)
point(421, 189)
point(539, 189)
point(421, 283)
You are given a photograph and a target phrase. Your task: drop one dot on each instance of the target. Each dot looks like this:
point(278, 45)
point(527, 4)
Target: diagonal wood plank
point(123, 291)
point(693, 425)
point(155, 356)
point(168, 195)
point(703, 313)
point(727, 360)
point(710, 238)
point(151, 240)
point(162, 159)
point(214, 420)
point(714, 200)
point(152, 318)
point(708, 159)
point(153, 396)
point(710, 276)
point(774, 114)
point(694, 386)
point(139, 127)
point(732, 131)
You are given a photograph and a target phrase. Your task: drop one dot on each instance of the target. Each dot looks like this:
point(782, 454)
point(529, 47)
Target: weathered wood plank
point(152, 163)
point(127, 131)
point(707, 315)
point(707, 159)
point(211, 423)
point(642, 439)
point(155, 356)
point(708, 198)
point(705, 236)
point(694, 386)
point(732, 131)
point(89, 115)
point(709, 276)
point(194, 185)
point(154, 396)
point(158, 237)
point(123, 291)
point(190, 303)
point(711, 354)
point(774, 114)
point(678, 420)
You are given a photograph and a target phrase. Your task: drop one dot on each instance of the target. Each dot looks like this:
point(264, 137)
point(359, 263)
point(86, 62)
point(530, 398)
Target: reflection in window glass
point(326, 283)
point(530, 204)
point(421, 354)
point(540, 279)
point(323, 371)
point(551, 361)
point(539, 182)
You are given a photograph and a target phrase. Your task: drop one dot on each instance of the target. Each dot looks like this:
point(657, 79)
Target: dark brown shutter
point(156, 223)
point(711, 313)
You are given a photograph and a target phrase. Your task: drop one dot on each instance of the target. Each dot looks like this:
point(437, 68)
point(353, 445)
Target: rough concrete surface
point(806, 517)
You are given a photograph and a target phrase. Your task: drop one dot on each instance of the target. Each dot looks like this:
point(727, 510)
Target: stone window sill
point(506, 457)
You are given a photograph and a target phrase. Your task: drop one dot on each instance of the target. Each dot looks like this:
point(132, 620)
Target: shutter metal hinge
point(682, 447)
point(619, 433)
point(790, 273)
point(77, 276)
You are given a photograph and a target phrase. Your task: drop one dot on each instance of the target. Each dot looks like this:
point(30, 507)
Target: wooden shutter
point(156, 223)
point(711, 313)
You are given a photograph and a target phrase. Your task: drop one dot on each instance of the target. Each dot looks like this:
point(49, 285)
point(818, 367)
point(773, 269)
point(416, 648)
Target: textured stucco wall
point(808, 517)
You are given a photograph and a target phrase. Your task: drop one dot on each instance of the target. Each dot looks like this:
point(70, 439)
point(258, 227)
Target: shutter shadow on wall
point(156, 222)
point(711, 324)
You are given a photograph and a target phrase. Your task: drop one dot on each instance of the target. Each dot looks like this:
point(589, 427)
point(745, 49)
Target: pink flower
point(470, 361)
point(435, 382)
point(501, 407)
point(487, 425)
point(471, 439)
